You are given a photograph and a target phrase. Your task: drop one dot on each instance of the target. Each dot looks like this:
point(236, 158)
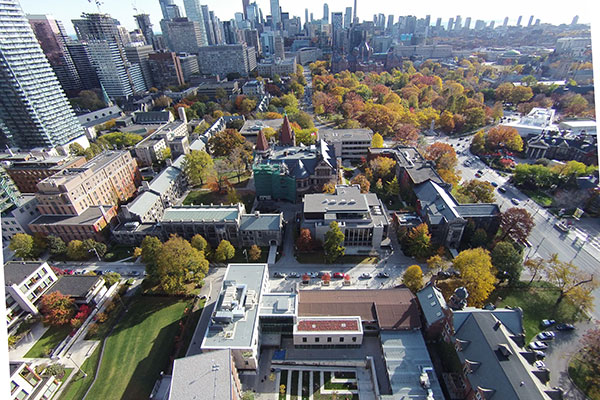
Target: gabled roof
point(432, 303)
point(261, 222)
point(288, 137)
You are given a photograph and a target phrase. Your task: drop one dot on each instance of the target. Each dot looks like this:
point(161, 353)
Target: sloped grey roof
point(143, 203)
point(200, 213)
point(432, 303)
point(165, 179)
point(152, 117)
point(504, 377)
point(477, 210)
point(76, 286)
point(99, 116)
point(15, 272)
point(262, 222)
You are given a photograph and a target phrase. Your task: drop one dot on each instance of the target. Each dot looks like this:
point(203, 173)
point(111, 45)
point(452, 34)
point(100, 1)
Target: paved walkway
point(37, 331)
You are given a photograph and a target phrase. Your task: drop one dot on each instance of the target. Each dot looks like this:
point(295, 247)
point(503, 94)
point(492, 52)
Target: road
point(123, 268)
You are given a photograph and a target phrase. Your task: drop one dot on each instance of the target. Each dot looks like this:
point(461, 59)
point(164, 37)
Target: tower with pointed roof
point(262, 146)
point(288, 137)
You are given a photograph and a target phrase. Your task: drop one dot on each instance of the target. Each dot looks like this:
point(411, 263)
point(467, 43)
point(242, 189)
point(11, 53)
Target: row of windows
point(329, 339)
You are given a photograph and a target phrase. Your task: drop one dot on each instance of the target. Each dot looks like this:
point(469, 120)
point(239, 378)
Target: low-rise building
point(209, 89)
point(153, 117)
point(564, 147)
point(25, 283)
point(362, 217)
point(83, 289)
point(318, 332)
point(26, 384)
point(252, 127)
point(308, 55)
point(270, 68)
point(150, 150)
point(350, 144)
point(579, 126)
point(91, 120)
point(16, 219)
point(254, 88)
point(538, 121)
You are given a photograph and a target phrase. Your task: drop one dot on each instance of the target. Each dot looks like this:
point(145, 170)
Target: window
point(22, 395)
point(304, 340)
point(317, 340)
point(354, 338)
point(328, 340)
point(13, 387)
point(341, 340)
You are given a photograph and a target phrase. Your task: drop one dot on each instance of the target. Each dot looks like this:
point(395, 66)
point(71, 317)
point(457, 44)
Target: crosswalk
point(587, 239)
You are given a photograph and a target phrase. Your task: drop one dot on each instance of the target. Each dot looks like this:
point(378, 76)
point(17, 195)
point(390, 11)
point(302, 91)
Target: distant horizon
point(65, 11)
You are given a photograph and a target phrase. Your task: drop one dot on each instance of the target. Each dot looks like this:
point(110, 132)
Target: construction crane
point(97, 2)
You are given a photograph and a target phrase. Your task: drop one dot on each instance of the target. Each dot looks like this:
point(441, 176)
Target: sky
point(555, 12)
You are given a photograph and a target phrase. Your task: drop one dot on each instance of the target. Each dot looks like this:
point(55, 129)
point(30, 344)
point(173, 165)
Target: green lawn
point(138, 349)
point(537, 303)
point(241, 258)
point(118, 252)
point(578, 371)
point(78, 385)
point(207, 197)
point(539, 197)
point(51, 338)
point(319, 258)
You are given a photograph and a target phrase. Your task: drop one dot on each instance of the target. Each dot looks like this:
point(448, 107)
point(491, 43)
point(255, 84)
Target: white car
point(539, 364)
point(313, 274)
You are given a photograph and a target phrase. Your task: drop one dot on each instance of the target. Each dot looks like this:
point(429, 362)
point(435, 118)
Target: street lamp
point(77, 365)
point(95, 251)
point(246, 254)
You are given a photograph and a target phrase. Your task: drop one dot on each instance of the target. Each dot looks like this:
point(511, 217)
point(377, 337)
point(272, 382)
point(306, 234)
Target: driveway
point(558, 354)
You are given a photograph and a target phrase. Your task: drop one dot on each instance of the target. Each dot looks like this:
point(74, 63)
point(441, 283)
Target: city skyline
point(65, 11)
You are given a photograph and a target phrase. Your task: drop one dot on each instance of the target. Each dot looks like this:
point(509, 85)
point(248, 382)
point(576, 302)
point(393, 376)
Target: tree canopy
point(334, 240)
point(413, 278)
point(477, 274)
point(178, 262)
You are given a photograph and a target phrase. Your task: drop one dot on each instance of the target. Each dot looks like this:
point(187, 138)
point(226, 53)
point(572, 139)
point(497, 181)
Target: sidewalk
point(27, 342)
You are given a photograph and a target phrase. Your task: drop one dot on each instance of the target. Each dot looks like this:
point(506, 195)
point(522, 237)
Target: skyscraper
point(575, 20)
point(337, 29)
point(530, 21)
point(306, 15)
point(325, 12)
point(505, 22)
point(519, 20)
point(245, 4)
point(458, 23)
point(347, 17)
point(164, 9)
point(275, 14)
point(354, 18)
point(193, 10)
point(390, 23)
point(143, 22)
point(53, 39)
point(468, 23)
point(34, 111)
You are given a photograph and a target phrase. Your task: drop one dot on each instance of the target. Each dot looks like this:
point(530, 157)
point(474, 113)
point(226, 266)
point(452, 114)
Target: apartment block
point(225, 59)
point(350, 144)
point(166, 70)
point(26, 384)
point(28, 173)
point(278, 66)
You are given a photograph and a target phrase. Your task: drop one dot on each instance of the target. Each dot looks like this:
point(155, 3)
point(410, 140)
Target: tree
point(219, 181)
point(377, 141)
point(508, 261)
point(269, 133)
point(76, 149)
point(590, 355)
point(418, 241)
point(437, 263)
point(254, 253)
point(304, 241)
point(88, 99)
point(57, 308)
point(504, 136)
point(572, 283)
point(382, 167)
point(151, 248)
point(447, 121)
point(239, 161)
point(413, 278)
point(22, 245)
point(199, 243)
point(478, 143)
point(393, 187)
point(233, 196)
point(178, 262)
point(476, 274)
point(56, 245)
point(328, 188)
point(334, 239)
point(363, 182)
point(90, 244)
point(520, 94)
point(198, 166)
point(406, 134)
point(476, 191)
point(442, 154)
point(222, 144)
point(162, 102)
point(225, 251)
point(77, 251)
point(479, 238)
point(516, 223)
point(504, 91)
point(111, 278)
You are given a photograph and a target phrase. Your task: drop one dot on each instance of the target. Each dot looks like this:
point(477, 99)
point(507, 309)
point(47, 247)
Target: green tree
point(111, 278)
point(413, 278)
point(76, 149)
point(77, 251)
point(393, 187)
point(418, 241)
point(198, 166)
point(232, 196)
point(476, 191)
point(22, 245)
point(477, 274)
point(382, 167)
point(334, 240)
point(56, 245)
point(151, 248)
point(89, 245)
point(478, 143)
point(199, 243)
point(377, 141)
point(225, 251)
point(254, 253)
point(177, 263)
point(508, 261)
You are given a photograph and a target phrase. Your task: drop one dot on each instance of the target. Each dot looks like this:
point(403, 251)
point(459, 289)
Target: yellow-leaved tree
point(477, 274)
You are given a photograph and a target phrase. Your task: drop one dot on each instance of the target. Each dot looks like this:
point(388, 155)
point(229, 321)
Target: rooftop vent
point(343, 325)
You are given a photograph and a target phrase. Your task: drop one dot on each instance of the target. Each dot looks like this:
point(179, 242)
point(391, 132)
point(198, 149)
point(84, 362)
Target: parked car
point(68, 272)
point(515, 201)
point(134, 273)
point(293, 275)
point(320, 274)
point(338, 275)
point(539, 364)
point(278, 275)
point(540, 355)
point(477, 175)
point(365, 275)
point(494, 184)
point(502, 189)
point(547, 335)
point(384, 275)
point(548, 322)
point(538, 345)
point(312, 274)
point(565, 327)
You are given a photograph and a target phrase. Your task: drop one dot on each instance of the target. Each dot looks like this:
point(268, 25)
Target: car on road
point(539, 364)
point(365, 275)
point(494, 184)
point(548, 335)
point(540, 355)
point(278, 275)
point(477, 175)
point(548, 322)
point(293, 275)
point(538, 345)
point(134, 273)
point(565, 327)
point(68, 271)
point(515, 201)
point(561, 226)
point(383, 275)
point(338, 275)
point(502, 189)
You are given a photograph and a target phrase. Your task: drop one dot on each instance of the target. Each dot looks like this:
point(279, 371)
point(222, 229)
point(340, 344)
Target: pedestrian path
point(272, 254)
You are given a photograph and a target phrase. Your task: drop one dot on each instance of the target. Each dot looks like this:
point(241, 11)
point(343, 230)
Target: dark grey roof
point(432, 303)
point(88, 217)
point(15, 272)
point(99, 116)
point(207, 376)
point(301, 161)
point(408, 158)
point(76, 286)
point(477, 210)
point(484, 340)
point(152, 117)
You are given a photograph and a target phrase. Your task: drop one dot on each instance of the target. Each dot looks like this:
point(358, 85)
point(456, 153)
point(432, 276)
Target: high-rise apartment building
point(253, 14)
point(164, 4)
point(143, 22)
point(183, 35)
point(348, 18)
point(137, 54)
point(275, 14)
point(224, 59)
point(468, 23)
point(208, 26)
point(326, 12)
point(193, 11)
point(337, 30)
point(53, 39)
point(245, 4)
point(505, 22)
point(80, 54)
point(166, 69)
point(34, 111)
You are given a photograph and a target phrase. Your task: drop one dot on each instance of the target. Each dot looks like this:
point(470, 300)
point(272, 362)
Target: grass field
point(78, 385)
point(138, 349)
point(49, 340)
point(539, 197)
point(537, 303)
point(241, 258)
point(578, 371)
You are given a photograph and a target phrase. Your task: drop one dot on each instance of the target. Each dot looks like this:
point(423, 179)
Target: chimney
point(182, 116)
